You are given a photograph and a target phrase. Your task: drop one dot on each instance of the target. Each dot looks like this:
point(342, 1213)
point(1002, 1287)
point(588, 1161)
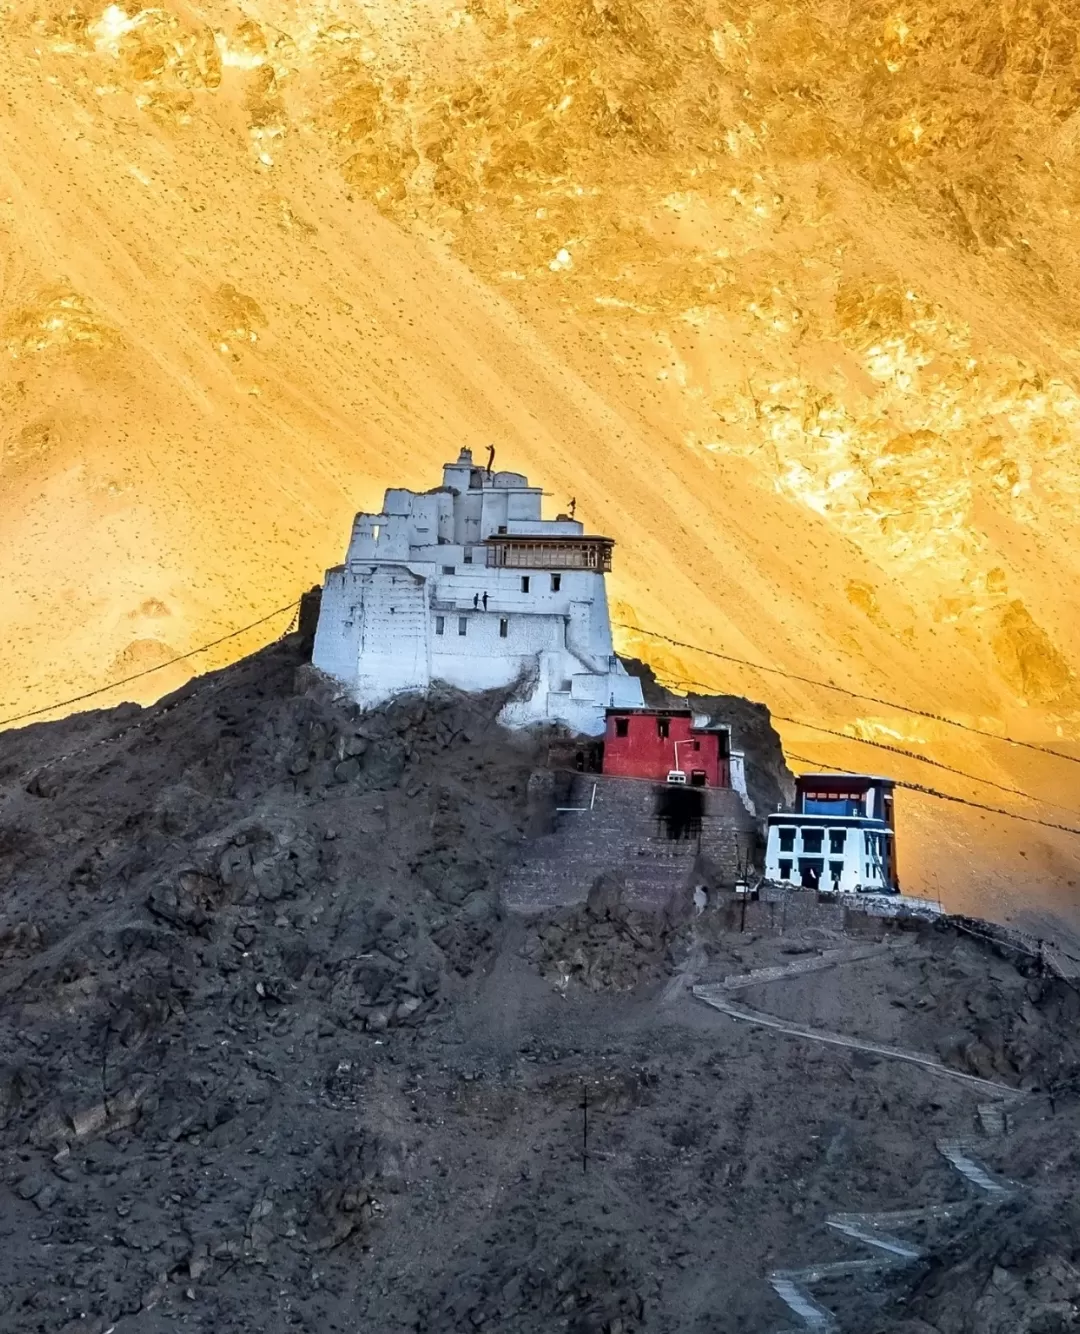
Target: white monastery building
point(841, 837)
point(466, 584)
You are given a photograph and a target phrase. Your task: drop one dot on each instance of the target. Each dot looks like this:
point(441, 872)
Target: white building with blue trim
point(467, 585)
point(841, 837)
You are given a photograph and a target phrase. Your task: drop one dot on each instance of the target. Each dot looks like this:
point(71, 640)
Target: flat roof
point(801, 817)
point(531, 539)
point(844, 778)
point(647, 711)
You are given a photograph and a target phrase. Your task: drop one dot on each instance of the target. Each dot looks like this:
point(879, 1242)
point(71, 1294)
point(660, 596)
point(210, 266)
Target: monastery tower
point(466, 584)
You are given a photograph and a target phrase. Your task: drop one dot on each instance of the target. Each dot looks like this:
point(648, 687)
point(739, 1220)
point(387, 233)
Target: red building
point(651, 743)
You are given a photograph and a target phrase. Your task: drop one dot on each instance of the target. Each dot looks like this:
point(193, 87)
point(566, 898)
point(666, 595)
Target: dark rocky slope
point(270, 1056)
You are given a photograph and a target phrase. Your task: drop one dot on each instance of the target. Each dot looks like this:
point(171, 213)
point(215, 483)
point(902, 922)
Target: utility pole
point(584, 1127)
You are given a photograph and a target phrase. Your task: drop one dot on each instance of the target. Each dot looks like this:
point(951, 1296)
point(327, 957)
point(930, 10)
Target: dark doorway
point(810, 869)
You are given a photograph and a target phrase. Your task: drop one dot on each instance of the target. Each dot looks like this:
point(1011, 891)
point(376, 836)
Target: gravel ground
point(270, 1055)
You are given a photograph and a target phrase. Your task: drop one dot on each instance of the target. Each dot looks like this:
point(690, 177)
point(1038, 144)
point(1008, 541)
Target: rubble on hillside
point(605, 944)
point(272, 1052)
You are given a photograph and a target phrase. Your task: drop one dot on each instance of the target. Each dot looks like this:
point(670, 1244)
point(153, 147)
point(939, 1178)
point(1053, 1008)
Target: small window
point(663, 726)
point(697, 745)
point(524, 583)
point(787, 840)
point(449, 569)
point(622, 726)
point(837, 839)
point(556, 582)
point(463, 625)
point(440, 625)
point(698, 778)
point(811, 839)
point(836, 870)
point(502, 527)
point(467, 558)
point(785, 870)
point(375, 531)
point(504, 627)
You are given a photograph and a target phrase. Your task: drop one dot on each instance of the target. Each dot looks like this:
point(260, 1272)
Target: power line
point(899, 750)
point(694, 685)
point(948, 796)
point(852, 694)
point(181, 657)
point(925, 759)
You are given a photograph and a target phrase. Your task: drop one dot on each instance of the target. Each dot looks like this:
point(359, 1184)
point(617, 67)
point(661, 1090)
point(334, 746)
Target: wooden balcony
point(529, 552)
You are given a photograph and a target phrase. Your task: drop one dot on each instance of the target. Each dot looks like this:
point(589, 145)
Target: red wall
point(643, 753)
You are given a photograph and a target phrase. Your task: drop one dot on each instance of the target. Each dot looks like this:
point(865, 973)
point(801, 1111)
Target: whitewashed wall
point(377, 628)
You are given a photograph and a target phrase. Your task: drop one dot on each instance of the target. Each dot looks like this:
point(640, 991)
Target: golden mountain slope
point(785, 294)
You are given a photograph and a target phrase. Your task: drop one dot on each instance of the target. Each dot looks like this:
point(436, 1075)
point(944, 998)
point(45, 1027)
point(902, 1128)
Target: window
point(524, 583)
point(787, 840)
point(622, 726)
point(556, 582)
point(785, 869)
point(697, 745)
point(440, 625)
point(449, 569)
point(811, 839)
point(502, 527)
point(836, 870)
point(375, 531)
point(463, 625)
point(467, 558)
point(837, 839)
point(504, 626)
point(698, 778)
point(663, 726)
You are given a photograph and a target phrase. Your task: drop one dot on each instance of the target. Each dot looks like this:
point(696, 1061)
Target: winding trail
point(814, 963)
point(874, 1230)
point(716, 996)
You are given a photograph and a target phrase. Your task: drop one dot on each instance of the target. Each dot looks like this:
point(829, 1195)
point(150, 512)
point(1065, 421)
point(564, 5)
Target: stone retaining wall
point(585, 825)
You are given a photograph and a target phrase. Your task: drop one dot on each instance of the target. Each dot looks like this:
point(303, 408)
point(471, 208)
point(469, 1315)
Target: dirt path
point(717, 998)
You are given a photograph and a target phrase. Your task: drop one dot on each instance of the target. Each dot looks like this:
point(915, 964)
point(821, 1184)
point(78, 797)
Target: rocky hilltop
point(783, 292)
point(272, 1053)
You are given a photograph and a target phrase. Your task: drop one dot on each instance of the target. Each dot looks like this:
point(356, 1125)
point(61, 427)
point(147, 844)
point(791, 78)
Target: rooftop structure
point(466, 584)
point(841, 835)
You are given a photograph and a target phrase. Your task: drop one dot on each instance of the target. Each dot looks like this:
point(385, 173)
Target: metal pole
point(585, 1128)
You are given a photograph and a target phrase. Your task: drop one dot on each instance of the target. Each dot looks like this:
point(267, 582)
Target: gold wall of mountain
point(784, 292)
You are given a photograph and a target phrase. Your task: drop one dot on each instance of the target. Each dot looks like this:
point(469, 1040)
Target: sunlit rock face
point(785, 294)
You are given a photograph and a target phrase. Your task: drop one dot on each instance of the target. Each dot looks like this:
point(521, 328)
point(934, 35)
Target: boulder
point(606, 893)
